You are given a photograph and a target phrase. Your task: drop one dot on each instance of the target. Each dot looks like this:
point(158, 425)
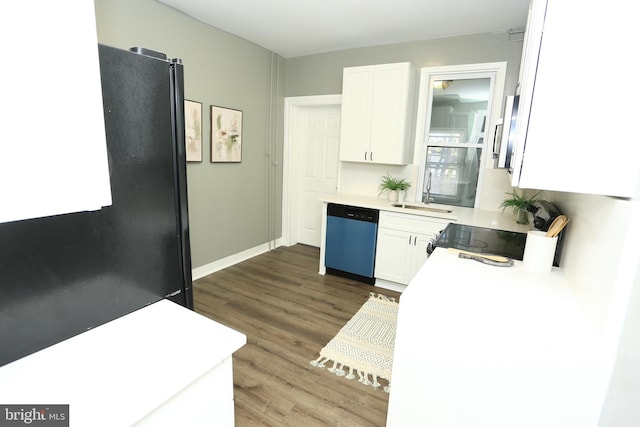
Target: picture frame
point(193, 130)
point(226, 135)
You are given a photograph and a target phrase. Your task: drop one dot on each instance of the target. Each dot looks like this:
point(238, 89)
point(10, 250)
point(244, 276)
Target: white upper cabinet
point(579, 91)
point(53, 154)
point(377, 113)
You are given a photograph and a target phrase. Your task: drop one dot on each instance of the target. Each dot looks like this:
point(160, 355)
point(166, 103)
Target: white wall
point(595, 252)
point(601, 259)
point(621, 406)
point(363, 179)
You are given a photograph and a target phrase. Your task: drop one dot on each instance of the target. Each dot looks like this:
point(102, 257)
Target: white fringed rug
point(365, 344)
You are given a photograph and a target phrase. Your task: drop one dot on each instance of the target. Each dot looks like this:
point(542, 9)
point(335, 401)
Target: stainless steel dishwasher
point(350, 247)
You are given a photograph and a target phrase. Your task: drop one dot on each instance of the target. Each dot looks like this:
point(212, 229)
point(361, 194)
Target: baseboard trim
point(212, 267)
point(392, 286)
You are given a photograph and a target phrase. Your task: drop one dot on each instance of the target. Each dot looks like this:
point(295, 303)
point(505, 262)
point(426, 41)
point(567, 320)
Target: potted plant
point(521, 205)
point(393, 186)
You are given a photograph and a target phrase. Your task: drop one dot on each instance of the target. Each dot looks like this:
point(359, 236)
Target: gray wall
point(322, 74)
point(232, 206)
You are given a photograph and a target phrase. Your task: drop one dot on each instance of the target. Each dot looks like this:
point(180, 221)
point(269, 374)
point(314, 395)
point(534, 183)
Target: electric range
point(482, 240)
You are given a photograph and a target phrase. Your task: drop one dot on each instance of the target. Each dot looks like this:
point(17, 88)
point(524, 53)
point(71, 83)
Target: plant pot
point(393, 195)
point(522, 217)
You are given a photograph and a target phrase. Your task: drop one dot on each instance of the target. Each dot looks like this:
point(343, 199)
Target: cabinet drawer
point(411, 223)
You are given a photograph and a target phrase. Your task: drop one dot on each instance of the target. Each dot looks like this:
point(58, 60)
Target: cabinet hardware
point(499, 125)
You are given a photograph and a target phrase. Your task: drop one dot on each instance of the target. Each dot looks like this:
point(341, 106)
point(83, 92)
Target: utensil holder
point(539, 251)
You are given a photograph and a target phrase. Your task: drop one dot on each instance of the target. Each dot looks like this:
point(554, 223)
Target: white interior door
point(318, 137)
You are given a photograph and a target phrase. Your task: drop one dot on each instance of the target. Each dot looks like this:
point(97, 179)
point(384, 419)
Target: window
point(453, 128)
point(454, 174)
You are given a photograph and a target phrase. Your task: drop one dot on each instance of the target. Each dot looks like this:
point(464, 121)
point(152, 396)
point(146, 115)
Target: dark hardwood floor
point(288, 313)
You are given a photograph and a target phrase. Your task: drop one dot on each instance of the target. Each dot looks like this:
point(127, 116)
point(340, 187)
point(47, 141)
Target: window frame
point(496, 71)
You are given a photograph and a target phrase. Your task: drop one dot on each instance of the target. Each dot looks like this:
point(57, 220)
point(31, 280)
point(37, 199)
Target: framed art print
point(193, 130)
point(226, 134)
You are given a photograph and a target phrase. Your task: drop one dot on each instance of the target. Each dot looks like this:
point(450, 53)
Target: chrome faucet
point(426, 197)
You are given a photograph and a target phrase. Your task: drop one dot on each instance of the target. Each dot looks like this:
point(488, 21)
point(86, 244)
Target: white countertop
point(479, 218)
point(479, 345)
point(117, 373)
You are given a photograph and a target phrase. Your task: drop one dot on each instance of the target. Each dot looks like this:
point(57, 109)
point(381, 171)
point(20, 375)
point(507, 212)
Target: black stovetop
point(482, 240)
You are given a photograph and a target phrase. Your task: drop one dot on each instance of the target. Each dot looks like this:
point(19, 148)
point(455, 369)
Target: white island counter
point(160, 365)
point(479, 345)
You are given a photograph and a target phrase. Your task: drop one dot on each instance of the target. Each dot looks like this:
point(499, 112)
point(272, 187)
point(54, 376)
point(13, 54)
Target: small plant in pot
point(393, 186)
point(521, 205)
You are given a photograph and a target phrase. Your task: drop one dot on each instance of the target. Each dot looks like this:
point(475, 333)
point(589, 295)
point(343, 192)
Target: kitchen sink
point(420, 207)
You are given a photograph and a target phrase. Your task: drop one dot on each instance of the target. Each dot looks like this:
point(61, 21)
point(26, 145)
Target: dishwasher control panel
point(353, 212)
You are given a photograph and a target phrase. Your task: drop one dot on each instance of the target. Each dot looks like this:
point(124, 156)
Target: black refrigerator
point(63, 275)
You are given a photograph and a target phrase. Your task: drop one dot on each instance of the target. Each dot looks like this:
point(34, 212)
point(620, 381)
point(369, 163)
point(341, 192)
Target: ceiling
point(294, 28)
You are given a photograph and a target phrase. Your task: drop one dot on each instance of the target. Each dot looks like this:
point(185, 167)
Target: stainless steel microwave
point(504, 137)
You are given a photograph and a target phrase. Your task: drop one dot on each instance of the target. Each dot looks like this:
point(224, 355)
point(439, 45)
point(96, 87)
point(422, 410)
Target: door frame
point(293, 109)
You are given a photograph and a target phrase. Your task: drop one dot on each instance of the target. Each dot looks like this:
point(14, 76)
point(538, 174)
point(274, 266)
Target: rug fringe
point(377, 362)
point(338, 369)
point(382, 297)
point(319, 362)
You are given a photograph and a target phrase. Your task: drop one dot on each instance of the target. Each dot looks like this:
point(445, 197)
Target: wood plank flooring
point(289, 312)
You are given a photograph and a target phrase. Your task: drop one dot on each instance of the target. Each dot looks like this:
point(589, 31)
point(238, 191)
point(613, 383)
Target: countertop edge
point(477, 217)
point(132, 365)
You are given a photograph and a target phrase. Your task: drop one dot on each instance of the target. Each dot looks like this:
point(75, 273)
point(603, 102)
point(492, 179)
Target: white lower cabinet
point(205, 402)
point(402, 245)
point(134, 364)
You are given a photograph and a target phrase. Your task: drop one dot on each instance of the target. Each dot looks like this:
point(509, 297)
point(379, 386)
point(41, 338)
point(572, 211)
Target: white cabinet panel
point(389, 126)
point(393, 255)
point(357, 92)
point(579, 94)
point(402, 245)
point(206, 402)
point(53, 149)
point(143, 364)
point(420, 252)
point(377, 113)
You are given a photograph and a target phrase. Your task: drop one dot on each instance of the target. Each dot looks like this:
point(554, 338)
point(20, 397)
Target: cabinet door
point(419, 255)
point(393, 255)
point(355, 127)
point(526, 81)
point(389, 113)
point(53, 155)
point(575, 140)
point(402, 244)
